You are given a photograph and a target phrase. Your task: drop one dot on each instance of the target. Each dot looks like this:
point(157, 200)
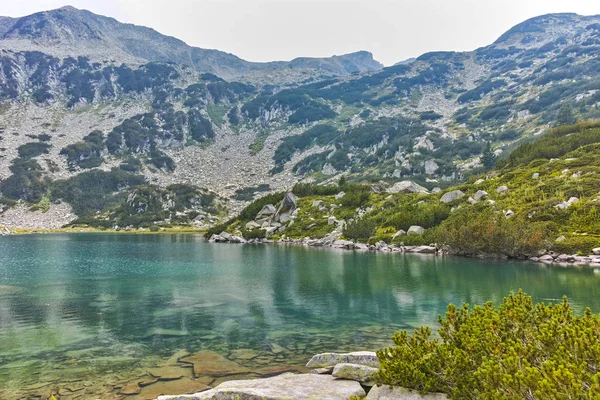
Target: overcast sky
point(267, 30)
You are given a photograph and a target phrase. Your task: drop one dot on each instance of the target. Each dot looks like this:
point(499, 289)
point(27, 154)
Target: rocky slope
point(543, 200)
point(83, 95)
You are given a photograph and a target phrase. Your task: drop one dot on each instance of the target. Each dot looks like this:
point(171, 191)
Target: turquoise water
point(84, 313)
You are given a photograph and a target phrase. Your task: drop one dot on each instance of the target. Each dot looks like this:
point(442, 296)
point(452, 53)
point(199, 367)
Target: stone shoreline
point(592, 260)
point(333, 376)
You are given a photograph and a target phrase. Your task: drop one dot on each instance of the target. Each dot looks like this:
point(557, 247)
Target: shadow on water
point(92, 306)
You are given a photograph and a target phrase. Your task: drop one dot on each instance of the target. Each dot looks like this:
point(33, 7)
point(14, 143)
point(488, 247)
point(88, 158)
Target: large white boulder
point(407, 187)
point(449, 197)
point(285, 386)
point(415, 230)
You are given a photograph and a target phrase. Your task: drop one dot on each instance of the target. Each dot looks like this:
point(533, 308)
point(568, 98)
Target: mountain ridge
point(68, 29)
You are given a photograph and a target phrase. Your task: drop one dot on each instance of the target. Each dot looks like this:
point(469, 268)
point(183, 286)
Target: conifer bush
point(519, 350)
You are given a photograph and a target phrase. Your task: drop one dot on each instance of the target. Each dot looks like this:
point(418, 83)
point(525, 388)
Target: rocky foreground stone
point(336, 376)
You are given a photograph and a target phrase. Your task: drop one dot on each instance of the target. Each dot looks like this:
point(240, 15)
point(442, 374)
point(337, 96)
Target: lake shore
point(550, 258)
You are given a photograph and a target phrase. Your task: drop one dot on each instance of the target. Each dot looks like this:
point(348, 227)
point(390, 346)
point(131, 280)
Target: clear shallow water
point(86, 314)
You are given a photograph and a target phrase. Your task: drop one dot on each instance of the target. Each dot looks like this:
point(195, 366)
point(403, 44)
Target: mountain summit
point(67, 31)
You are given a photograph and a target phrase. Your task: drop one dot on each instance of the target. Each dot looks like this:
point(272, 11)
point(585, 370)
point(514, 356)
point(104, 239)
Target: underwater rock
point(213, 364)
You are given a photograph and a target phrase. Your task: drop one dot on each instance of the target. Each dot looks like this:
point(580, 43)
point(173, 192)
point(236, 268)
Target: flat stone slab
point(400, 393)
point(324, 360)
point(282, 387)
point(355, 372)
point(213, 364)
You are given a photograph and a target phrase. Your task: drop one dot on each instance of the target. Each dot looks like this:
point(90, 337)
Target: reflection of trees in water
point(128, 285)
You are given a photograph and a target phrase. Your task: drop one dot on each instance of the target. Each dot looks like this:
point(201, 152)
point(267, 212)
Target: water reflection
point(129, 299)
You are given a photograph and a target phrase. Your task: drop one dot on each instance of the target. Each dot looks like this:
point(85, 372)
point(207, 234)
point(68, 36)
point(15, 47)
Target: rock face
point(285, 386)
point(355, 372)
point(399, 393)
point(449, 197)
point(407, 187)
point(324, 360)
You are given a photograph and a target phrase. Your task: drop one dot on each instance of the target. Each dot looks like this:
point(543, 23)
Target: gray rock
point(436, 190)
point(479, 181)
point(399, 233)
point(452, 196)
point(596, 251)
point(266, 211)
point(368, 358)
point(318, 203)
point(285, 386)
point(536, 175)
point(407, 187)
point(415, 230)
point(400, 393)
point(331, 220)
point(288, 206)
point(509, 213)
point(340, 195)
point(327, 370)
point(471, 200)
point(480, 194)
point(225, 235)
point(237, 239)
point(421, 249)
point(502, 190)
point(252, 225)
point(546, 257)
point(355, 372)
point(560, 239)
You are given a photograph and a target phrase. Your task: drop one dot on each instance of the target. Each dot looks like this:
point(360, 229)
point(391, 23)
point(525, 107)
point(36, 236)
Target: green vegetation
point(519, 350)
point(33, 149)
point(87, 153)
point(518, 222)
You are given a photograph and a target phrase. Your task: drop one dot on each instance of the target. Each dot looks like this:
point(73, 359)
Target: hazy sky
point(266, 30)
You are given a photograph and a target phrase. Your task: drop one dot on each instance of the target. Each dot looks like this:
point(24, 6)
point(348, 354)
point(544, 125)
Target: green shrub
point(517, 351)
point(477, 230)
point(359, 229)
point(33, 149)
point(577, 244)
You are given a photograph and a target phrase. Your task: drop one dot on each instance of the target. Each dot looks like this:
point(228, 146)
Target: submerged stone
point(183, 385)
point(213, 364)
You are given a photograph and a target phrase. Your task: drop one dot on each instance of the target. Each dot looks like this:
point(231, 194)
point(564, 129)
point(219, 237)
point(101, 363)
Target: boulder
point(415, 230)
point(421, 249)
point(355, 372)
point(509, 213)
point(323, 360)
point(331, 220)
point(284, 386)
point(436, 190)
point(407, 187)
point(267, 211)
point(225, 235)
point(339, 195)
point(502, 190)
point(536, 175)
point(399, 233)
point(287, 206)
point(449, 197)
point(252, 225)
point(400, 393)
point(596, 251)
point(318, 203)
point(471, 200)
point(237, 239)
point(480, 194)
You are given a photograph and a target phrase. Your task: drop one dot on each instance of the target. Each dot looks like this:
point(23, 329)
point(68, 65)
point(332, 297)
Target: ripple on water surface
point(123, 315)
